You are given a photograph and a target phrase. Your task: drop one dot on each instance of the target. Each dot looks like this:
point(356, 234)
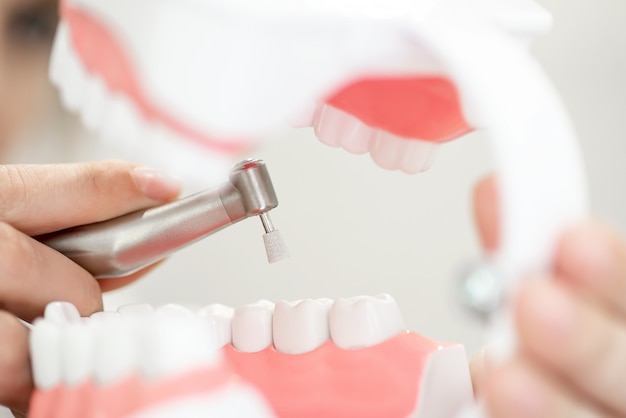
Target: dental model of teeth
point(309, 358)
point(135, 91)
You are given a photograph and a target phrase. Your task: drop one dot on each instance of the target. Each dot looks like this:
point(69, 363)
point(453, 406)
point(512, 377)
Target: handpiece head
point(251, 178)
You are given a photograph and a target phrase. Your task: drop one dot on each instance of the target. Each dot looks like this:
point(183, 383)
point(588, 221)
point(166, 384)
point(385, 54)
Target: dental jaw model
point(306, 358)
point(394, 79)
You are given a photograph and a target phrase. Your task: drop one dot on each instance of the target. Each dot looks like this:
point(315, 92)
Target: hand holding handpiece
point(41, 199)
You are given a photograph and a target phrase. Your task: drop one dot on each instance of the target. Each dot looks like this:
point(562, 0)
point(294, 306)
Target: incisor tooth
point(301, 326)
point(364, 321)
point(252, 326)
point(219, 319)
point(77, 360)
point(45, 349)
point(114, 350)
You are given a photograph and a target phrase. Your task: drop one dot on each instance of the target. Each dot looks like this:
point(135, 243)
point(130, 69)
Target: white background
point(356, 229)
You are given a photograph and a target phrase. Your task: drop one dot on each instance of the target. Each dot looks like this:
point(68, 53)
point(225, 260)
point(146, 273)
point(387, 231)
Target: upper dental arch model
point(204, 82)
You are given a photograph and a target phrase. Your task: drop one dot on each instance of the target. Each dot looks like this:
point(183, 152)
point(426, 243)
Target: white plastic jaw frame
point(503, 90)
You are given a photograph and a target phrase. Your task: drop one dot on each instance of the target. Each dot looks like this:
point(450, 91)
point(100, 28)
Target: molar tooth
point(252, 326)
point(77, 360)
point(301, 326)
point(219, 318)
point(358, 139)
point(174, 310)
point(419, 156)
point(61, 313)
point(388, 151)
point(364, 321)
point(329, 125)
point(175, 344)
point(45, 352)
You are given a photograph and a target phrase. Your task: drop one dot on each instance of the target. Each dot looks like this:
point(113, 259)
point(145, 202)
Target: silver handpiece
point(123, 245)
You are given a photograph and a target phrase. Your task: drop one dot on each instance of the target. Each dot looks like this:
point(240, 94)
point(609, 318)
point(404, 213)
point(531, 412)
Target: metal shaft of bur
point(267, 222)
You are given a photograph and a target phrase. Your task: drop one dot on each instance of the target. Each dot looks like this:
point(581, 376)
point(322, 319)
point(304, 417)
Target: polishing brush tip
point(275, 247)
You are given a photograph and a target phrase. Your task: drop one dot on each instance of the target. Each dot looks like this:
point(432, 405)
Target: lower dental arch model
point(205, 80)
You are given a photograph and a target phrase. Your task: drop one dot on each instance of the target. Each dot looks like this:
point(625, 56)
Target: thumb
point(486, 213)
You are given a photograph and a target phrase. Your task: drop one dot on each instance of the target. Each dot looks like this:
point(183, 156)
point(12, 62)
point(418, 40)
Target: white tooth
point(114, 349)
point(358, 139)
point(329, 125)
point(174, 310)
point(364, 321)
point(419, 156)
point(175, 344)
point(219, 318)
point(94, 102)
point(388, 151)
point(45, 353)
point(137, 310)
point(61, 313)
point(252, 326)
point(122, 124)
point(77, 360)
point(445, 386)
point(301, 326)
point(59, 52)
point(72, 81)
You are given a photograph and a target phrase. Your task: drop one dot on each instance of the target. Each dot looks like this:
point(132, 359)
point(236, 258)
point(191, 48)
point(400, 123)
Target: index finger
point(38, 199)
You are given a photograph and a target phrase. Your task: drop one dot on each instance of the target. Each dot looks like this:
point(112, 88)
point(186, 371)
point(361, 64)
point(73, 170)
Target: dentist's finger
point(486, 213)
point(32, 275)
point(480, 366)
point(574, 339)
point(16, 384)
point(37, 199)
point(592, 258)
point(518, 390)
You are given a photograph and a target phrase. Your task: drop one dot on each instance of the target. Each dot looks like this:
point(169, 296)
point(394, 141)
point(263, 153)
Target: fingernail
point(156, 185)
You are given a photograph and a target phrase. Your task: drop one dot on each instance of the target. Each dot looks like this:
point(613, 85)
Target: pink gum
point(379, 381)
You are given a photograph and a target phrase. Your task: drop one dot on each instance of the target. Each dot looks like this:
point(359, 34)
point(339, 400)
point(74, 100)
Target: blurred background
point(355, 229)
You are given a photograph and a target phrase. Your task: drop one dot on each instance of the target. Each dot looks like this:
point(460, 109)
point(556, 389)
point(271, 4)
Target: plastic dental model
point(207, 80)
point(310, 358)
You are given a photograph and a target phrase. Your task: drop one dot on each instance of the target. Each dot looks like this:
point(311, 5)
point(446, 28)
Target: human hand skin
point(36, 199)
point(571, 326)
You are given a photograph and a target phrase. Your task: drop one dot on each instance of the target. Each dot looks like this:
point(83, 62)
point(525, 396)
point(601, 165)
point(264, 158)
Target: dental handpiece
point(124, 245)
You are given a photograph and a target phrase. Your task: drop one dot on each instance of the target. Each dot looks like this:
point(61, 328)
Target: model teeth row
point(117, 120)
point(340, 129)
point(156, 343)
